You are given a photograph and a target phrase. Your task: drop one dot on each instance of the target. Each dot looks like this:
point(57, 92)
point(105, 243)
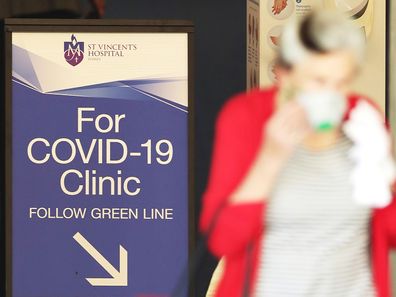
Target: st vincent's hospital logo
point(73, 51)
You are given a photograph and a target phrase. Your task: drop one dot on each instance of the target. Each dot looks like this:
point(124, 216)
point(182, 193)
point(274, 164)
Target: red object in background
point(100, 6)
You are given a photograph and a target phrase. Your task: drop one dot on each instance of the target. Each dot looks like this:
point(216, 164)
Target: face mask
point(325, 109)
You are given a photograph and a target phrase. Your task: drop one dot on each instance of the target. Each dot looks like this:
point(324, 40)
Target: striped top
point(317, 237)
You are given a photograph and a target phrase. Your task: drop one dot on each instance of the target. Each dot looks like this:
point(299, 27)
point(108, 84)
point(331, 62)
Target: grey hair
point(320, 32)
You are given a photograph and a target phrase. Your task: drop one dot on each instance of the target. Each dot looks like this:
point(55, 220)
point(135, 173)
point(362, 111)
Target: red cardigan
point(238, 132)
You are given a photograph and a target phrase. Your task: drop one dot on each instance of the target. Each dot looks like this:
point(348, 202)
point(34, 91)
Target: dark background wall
point(220, 63)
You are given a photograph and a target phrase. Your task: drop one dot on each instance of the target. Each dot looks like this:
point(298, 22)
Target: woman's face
point(332, 71)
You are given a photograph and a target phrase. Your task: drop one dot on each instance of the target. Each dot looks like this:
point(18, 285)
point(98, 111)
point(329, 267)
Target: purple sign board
point(98, 181)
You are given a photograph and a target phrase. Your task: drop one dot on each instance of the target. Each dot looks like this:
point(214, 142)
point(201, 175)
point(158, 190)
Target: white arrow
point(119, 278)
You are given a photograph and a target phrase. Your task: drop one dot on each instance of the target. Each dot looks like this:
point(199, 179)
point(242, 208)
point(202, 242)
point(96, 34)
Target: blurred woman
point(299, 200)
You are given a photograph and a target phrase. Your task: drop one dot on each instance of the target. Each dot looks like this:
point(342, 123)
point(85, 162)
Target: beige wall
point(392, 111)
point(371, 81)
point(373, 77)
point(392, 79)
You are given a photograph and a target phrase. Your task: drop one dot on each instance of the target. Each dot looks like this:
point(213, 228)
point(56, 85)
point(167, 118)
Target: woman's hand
point(286, 128)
